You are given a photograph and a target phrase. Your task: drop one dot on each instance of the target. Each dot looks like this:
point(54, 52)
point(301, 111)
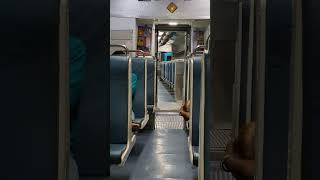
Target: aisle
point(165, 156)
point(169, 120)
point(166, 98)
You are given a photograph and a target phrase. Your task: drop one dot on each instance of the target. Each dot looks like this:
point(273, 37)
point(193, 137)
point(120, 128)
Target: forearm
point(186, 115)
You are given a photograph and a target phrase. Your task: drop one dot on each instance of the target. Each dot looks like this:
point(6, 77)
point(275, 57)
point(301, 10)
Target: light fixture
point(172, 7)
point(173, 23)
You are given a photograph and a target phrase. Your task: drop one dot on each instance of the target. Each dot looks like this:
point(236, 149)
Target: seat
point(116, 150)
point(195, 75)
point(185, 80)
point(170, 73)
point(166, 71)
point(206, 109)
point(139, 67)
point(161, 70)
point(121, 136)
point(151, 67)
point(173, 74)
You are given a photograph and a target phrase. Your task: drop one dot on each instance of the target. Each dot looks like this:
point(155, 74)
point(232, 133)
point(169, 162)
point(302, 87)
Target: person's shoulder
point(77, 49)
point(76, 42)
point(134, 76)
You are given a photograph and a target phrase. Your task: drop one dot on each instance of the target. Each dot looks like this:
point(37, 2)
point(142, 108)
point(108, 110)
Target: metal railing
point(121, 46)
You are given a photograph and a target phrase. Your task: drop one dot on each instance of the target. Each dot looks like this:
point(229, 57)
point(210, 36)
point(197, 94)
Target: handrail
point(197, 51)
point(122, 46)
point(198, 47)
point(207, 42)
point(153, 58)
point(138, 51)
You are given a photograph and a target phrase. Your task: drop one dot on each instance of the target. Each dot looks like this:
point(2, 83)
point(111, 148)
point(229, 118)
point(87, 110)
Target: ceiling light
point(173, 23)
point(172, 7)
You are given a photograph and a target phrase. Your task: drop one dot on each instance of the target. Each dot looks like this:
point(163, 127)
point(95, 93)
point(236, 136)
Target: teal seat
point(173, 73)
point(139, 103)
point(116, 151)
point(208, 104)
point(120, 126)
point(195, 110)
point(138, 120)
point(150, 83)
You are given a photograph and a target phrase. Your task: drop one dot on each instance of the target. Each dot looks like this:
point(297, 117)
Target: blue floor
point(163, 154)
point(165, 94)
point(167, 98)
point(159, 155)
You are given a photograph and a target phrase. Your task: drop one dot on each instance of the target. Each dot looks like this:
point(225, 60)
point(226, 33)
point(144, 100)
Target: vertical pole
point(191, 39)
point(260, 10)
point(250, 62)
point(295, 125)
point(64, 120)
point(237, 77)
point(153, 40)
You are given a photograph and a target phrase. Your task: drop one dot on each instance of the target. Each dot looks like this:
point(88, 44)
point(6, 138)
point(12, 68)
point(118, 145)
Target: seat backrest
point(185, 80)
point(196, 94)
point(170, 72)
point(165, 70)
point(161, 69)
point(208, 112)
point(150, 80)
point(139, 102)
point(174, 72)
point(188, 79)
point(119, 99)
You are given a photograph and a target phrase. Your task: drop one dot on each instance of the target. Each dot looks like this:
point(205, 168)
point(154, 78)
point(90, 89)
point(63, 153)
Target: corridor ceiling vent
point(172, 7)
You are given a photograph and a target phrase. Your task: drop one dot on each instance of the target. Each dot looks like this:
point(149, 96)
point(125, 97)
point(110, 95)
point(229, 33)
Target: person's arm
point(186, 115)
point(187, 106)
point(241, 167)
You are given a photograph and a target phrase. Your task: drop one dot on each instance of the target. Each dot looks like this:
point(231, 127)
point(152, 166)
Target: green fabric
point(77, 59)
point(134, 79)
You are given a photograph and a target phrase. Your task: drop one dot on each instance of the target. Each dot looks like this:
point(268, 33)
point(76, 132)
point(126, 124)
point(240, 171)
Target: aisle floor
point(166, 98)
point(161, 154)
point(165, 156)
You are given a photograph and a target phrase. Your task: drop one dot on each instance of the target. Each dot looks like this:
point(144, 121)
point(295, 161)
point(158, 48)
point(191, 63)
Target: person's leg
point(135, 127)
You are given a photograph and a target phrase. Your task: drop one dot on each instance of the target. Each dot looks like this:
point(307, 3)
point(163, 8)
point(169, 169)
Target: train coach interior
point(178, 90)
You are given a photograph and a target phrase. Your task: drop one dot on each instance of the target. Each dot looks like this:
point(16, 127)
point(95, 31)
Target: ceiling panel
point(195, 9)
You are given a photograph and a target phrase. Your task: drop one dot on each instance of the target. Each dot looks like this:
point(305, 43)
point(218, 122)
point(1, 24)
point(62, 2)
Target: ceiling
point(194, 9)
